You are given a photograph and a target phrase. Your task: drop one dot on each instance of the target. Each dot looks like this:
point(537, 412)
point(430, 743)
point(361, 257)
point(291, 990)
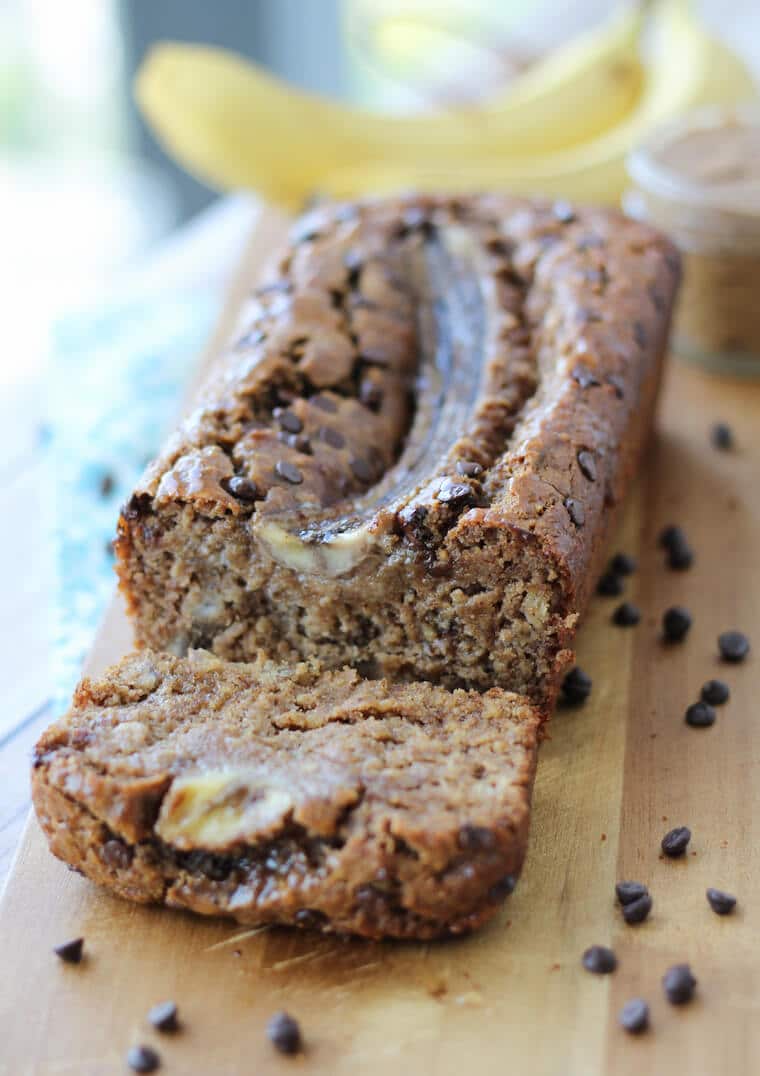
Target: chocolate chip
point(143, 1059)
point(564, 212)
point(640, 334)
point(116, 854)
point(296, 441)
point(370, 393)
point(454, 493)
point(324, 403)
point(675, 841)
point(502, 889)
point(720, 902)
point(288, 420)
point(715, 692)
point(284, 1033)
point(679, 984)
point(361, 469)
point(583, 377)
point(242, 488)
point(636, 911)
point(469, 468)
point(476, 838)
point(164, 1016)
point(576, 511)
point(700, 715)
point(107, 483)
point(623, 564)
point(576, 687)
point(138, 505)
point(680, 557)
point(587, 464)
point(676, 622)
point(722, 437)
point(670, 536)
point(600, 960)
point(610, 585)
point(287, 470)
point(70, 952)
point(733, 646)
point(628, 892)
point(634, 1016)
point(332, 437)
point(626, 615)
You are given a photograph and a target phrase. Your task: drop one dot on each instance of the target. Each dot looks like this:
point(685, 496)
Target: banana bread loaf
point(269, 793)
point(409, 458)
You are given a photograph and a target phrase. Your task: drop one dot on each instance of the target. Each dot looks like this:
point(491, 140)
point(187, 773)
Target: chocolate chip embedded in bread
point(333, 438)
point(587, 464)
point(287, 470)
point(576, 511)
point(288, 420)
point(242, 488)
point(361, 469)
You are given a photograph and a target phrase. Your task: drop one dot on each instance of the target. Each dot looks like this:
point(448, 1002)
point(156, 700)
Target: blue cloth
point(116, 381)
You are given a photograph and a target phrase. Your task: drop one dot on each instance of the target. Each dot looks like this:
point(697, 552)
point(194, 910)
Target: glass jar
point(699, 181)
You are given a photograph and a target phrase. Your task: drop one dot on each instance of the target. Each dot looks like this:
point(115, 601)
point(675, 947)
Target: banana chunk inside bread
point(288, 794)
point(408, 460)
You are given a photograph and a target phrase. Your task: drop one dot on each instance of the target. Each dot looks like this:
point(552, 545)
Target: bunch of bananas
point(564, 128)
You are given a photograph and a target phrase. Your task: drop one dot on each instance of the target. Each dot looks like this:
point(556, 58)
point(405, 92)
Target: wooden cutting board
point(615, 775)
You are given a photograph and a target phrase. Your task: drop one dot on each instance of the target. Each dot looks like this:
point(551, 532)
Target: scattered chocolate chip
point(676, 623)
point(138, 505)
point(600, 960)
point(733, 646)
point(164, 1016)
point(284, 1033)
point(324, 403)
point(116, 854)
point(242, 488)
point(331, 437)
point(626, 615)
point(469, 468)
point(296, 441)
point(700, 715)
point(454, 493)
point(502, 889)
point(576, 511)
point(679, 984)
point(628, 892)
point(288, 420)
point(610, 585)
point(107, 483)
point(720, 902)
point(675, 841)
point(636, 911)
point(623, 564)
point(288, 471)
point(584, 377)
point(576, 687)
point(143, 1059)
point(715, 692)
point(70, 952)
point(670, 536)
point(722, 437)
point(587, 464)
point(475, 838)
point(634, 1016)
point(361, 469)
point(680, 558)
point(640, 334)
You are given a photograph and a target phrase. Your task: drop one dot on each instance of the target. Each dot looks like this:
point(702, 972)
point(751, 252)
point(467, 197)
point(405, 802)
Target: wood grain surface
point(616, 774)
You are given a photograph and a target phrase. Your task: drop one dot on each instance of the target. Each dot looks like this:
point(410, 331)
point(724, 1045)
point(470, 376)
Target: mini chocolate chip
point(70, 952)
point(676, 622)
point(288, 420)
point(733, 646)
point(626, 615)
point(296, 441)
point(670, 536)
point(679, 984)
point(623, 564)
point(722, 437)
point(288, 471)
point(720, 902)
point(610, 585)
point(628, 892)
point(634, 1016)
point(700, 715)
point(640, 334)
point(587, 464)
point(284, 1033)
point(116, 854)
point(584, 377)
point(242, 488)
point(500, 890)
point(680, 557)
point(143, 1059)
point(454, 493)
point(637, 910)
point(600, 960)
point(576, 511)
point(675, 841)
point(332, 437)
point(107, 483)
point(715, 692)
point(361, 469)
point(564, 212)
point(576, 687)
point(475, 838)
point(164, 1016)
point(324, 403)
point(469, 468)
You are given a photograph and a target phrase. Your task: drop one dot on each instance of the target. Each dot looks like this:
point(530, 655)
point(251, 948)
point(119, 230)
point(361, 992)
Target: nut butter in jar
point(699, 181)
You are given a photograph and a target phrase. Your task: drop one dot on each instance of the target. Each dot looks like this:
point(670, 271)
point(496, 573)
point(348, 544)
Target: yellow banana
point(236, 126)
point(690, 68)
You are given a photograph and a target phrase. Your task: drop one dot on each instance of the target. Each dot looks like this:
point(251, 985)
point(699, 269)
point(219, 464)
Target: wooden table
point(615, 775)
